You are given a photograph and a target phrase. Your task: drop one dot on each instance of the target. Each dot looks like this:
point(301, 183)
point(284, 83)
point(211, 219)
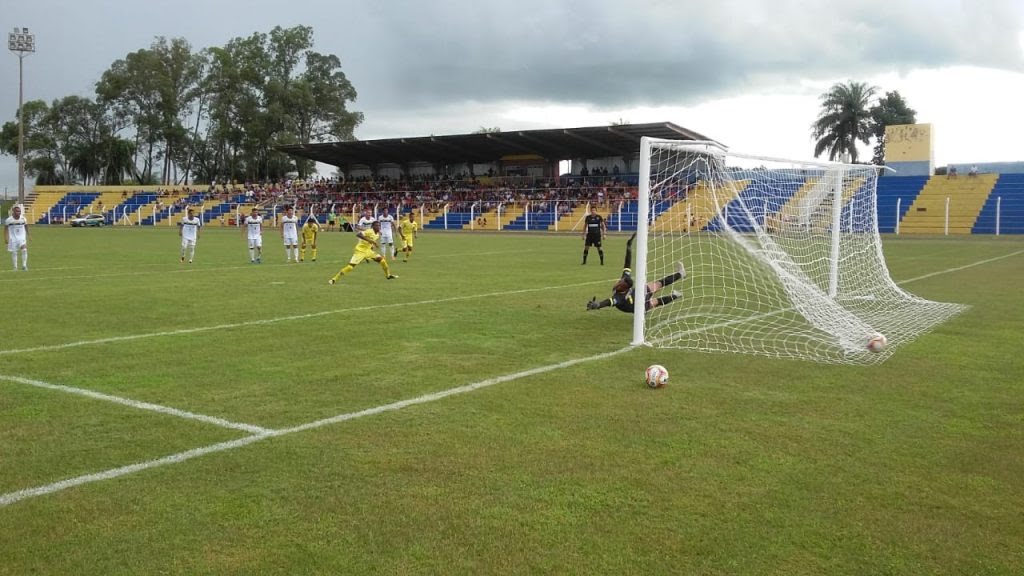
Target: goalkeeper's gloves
point(593, 305)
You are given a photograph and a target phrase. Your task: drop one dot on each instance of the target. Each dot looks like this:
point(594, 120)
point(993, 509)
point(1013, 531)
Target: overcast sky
point(744, 72)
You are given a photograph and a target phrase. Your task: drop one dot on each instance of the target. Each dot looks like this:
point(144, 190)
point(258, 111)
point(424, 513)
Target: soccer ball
point(877, 343)
point(656, 376)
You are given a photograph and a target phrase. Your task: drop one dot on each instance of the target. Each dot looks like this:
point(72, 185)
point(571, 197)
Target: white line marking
point(182, 331)
point(446, 393)
point(56, 268)
point(179, 270)
point(12, 497)
point(136, 404)
point(959, 268)
point(118, 274)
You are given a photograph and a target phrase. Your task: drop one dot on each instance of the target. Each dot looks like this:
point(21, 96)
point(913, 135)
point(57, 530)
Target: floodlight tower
point(22, 43)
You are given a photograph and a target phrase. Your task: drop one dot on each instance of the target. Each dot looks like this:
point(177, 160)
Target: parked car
point(88, 220)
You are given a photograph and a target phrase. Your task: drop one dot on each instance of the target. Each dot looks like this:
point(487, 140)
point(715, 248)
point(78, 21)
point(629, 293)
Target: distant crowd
point(460, 192)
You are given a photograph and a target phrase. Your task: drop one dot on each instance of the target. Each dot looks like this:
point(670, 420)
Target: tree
point(166, 114)
point(486, 130)
point(268, 90)
point(71, 122)
point(891, 110)
point(72, 140)
point(41, 149)
point(155, 88)
point(844, 120)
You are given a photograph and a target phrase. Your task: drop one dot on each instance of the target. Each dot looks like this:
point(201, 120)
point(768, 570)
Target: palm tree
point(844, 119)
point(119, 160)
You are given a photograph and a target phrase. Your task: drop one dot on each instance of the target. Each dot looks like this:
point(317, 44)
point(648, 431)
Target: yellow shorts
point(311, 240)
point(360, 256)
point(406, 243)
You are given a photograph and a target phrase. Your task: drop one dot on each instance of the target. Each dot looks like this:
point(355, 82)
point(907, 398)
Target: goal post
point(642, 234)
point(783, 257)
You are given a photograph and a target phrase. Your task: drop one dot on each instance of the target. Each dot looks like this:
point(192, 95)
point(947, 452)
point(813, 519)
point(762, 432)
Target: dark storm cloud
point(408, 53)
point(648, 52)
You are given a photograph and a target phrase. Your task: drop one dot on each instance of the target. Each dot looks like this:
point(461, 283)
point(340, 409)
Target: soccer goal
point(783, 257)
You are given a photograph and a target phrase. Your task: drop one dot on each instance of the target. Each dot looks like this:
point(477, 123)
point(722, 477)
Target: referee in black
point(594, 231)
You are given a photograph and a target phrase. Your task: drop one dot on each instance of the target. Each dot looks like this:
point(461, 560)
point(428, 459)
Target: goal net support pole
point(642, 234)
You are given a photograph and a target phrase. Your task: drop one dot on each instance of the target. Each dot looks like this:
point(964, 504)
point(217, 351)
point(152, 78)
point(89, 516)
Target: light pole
point(22, 43)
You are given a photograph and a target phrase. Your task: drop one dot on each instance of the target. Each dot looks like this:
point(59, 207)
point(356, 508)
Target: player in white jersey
point(189, 234)
point(16, 236)
point(387, 234)
point(290, 234)
point(254, 232)
point(365, 221)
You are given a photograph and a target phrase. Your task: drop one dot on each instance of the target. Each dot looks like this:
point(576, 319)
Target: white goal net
point(783, 258)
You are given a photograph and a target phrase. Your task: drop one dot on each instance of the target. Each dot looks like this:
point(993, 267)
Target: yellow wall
point(909, 143)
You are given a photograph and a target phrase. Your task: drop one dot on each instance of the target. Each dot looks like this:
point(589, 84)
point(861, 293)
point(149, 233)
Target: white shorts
point(290, 240)
point(15, 245)
point(256, 242)
point(386, 237)
point(186, 242)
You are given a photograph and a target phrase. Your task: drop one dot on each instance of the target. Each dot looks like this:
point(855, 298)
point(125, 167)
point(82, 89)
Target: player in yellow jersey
point(407, 229)
point(309, 232)
point(366, 249)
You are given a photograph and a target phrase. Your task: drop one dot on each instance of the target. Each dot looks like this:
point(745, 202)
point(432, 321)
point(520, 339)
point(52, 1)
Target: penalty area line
point(13, 497)
point(137, 404)
point(959, 268)
point(183, 331)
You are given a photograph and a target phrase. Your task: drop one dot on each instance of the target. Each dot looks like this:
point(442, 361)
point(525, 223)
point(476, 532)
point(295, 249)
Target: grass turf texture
point(742, 465)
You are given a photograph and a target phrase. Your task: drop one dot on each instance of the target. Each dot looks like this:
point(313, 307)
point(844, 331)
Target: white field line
point(446, 393)
point(136, 404)
point(22, 277)
point(959, 268)
point(12, 497)
point(6, 271)
point(247, 323)
point(18, 276)
point(364, 309)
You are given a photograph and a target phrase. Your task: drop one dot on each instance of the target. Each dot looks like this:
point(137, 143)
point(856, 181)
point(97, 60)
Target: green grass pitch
point(742, 465)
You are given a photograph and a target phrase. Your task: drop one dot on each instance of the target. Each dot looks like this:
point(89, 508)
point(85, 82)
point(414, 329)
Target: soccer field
point(471, 418)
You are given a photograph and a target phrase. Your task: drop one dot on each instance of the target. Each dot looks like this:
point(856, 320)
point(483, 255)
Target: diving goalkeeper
point(623, 292)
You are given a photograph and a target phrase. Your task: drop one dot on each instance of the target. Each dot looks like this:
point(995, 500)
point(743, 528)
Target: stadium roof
point(552, 144)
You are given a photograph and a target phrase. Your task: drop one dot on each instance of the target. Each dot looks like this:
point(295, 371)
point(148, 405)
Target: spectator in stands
point(973, 171)
point(951, 171)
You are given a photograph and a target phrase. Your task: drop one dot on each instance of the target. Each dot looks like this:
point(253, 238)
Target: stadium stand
point(966, 197)
point(70, 205)
point(893, 192)
point(1007, 198)
point(214, 208)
